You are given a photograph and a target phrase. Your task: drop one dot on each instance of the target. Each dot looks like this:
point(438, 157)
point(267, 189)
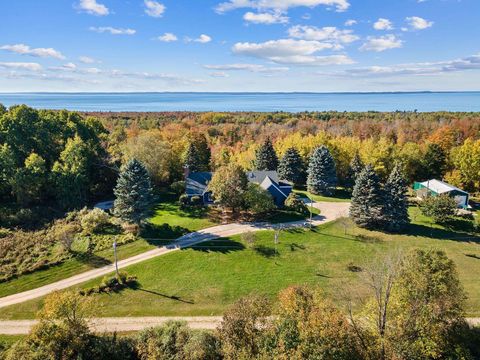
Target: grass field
point(204, 280)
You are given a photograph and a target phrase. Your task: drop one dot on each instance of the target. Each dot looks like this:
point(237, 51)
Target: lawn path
point(123, 324)
point(329, 212)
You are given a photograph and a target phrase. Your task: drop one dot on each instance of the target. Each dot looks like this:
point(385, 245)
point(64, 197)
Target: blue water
point(292, 102)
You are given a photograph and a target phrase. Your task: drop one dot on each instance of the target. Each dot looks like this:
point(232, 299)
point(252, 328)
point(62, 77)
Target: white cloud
point(379, 44)
point(418, 23)
point(23, 49)
point(383, 24)
point(92, 7)
point(351, 22)
point(203, 39)
point(21, 66)
point(327, 34)
point(417, 69)
point(290, 51)
point(87, 60)
point(219, 74)
point(265, 18)
point(280, 5)
point(112, 30)
point(255, 68)
point(154, 8)
point(167, 37)
point(168, 78)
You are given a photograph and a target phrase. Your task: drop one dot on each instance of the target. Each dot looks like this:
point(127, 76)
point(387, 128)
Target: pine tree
point(322, 175)
point(367, 200)
point(434, 162)
point(203, 151)
point(396, 204)
point(192, 158)
point(356, 167)
point(134, 196)
point(266, 158)
point(291, 167)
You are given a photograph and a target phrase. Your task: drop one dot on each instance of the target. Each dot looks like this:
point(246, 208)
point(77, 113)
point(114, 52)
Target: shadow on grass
point(223, 246)
point(171, 297)
point(92, 260)
point(295, 246)
point(154, 233)
point(474, 256)
point(438, 233)
point(265, 251)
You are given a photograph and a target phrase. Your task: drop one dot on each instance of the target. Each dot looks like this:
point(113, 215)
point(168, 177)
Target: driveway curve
point(328, 212)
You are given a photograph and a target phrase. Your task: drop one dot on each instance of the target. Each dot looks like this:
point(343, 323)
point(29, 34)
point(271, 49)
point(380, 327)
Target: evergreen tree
point(192, 158)
point(266, 159)
point(322, 175)
point(291, 167)
point(434, 162)
point(134, 196)
point(204, 153)
point(396, 204)
point(367, 200)
point(356, 167)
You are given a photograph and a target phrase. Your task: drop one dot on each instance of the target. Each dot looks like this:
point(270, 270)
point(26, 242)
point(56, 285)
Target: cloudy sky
point(239, 45)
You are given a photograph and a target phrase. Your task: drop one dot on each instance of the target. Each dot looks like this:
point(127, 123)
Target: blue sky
point(239, 45)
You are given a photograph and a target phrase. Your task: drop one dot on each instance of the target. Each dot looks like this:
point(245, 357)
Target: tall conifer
point(322, 174)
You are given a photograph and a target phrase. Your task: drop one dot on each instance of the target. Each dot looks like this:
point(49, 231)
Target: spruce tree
point(266, 158)
point(367, 207)
point(133, 193)
point(356, 167)
point(434, 162)
point(291, 167)
point(192, 158)
point(322, 174)
point(203, 151)
point(396, 204)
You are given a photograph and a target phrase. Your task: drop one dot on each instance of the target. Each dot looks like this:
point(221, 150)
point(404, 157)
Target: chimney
point(186, 172)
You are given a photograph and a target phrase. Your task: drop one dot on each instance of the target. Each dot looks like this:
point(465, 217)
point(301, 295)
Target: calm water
point(293, 102)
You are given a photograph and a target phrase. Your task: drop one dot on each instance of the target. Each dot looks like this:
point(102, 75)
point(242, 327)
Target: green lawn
point(340, 196)
point(204, 280)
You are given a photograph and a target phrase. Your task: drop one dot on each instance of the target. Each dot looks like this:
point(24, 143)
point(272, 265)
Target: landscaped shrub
point(196, 201)
point(294, 203)
point(178, 187)
point(113, 284)
point(94, 221)
point(184, 200)
point(258, 200)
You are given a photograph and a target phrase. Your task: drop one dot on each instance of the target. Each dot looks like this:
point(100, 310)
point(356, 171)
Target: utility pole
point(115, 255)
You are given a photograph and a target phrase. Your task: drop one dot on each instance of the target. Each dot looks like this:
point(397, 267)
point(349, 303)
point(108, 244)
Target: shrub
point(440, 208)
point(64, 233)
point(178, 187)
point(196, 201)
point(94, 221)
point(184, 200)
point(294, 203)
point(112, 284)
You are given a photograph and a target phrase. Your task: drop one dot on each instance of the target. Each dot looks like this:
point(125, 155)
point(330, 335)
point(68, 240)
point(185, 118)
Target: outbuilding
point(437, 187)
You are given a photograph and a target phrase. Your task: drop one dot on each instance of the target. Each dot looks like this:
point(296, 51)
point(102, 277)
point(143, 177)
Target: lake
point(290, 102)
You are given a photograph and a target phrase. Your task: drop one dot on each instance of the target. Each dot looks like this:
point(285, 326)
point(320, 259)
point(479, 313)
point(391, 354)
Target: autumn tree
point(228, 186)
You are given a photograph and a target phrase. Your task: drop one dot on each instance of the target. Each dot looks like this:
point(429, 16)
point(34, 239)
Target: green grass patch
point(206, 279)
point(340, 196)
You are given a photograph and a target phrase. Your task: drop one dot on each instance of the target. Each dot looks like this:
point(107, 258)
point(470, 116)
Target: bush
point(64, 233)
point(184, 200)
point(294, 203)
point(440, 208)
point(94, 221)
point(112, 284)
point(178, 187)
point(196, 201)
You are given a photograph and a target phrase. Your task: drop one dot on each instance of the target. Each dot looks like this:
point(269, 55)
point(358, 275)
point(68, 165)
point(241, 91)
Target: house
point(436, 187)
point(197, 185)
